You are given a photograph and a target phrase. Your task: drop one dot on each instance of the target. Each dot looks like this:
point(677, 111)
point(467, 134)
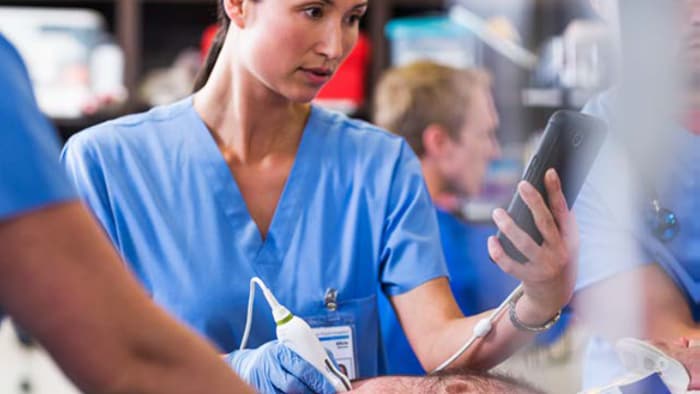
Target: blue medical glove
point(275, 368)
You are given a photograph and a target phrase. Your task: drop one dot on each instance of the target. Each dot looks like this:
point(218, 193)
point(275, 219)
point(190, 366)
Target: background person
point(635, 280)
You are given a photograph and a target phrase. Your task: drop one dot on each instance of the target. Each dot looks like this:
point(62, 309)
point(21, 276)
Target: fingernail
point(498, 214)
point(491, 242)
point(524, 188)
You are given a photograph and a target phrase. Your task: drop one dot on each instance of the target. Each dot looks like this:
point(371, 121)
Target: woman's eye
point(314, 12)
point(355, 19)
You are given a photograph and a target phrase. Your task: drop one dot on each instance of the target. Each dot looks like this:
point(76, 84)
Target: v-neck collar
point(230, 199)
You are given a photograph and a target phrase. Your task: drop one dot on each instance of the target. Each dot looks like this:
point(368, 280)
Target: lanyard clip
point(331, 299)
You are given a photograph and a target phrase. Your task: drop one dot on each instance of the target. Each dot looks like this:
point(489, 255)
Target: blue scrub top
point(30, 174)
point(614, 237)
point(354, 214)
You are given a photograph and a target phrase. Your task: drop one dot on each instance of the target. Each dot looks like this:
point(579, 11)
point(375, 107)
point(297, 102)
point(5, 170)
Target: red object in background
point(346, 90)
point(208, 39)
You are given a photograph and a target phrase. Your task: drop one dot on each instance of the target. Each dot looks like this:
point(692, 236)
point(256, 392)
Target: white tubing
point(481, 329)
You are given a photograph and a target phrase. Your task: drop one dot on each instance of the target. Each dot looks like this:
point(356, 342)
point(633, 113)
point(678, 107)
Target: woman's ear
point(235, 11)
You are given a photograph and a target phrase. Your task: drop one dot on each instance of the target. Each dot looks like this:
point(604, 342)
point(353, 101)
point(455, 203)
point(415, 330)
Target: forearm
point(172, 360)
point(547, 278)
point(502, 341)
point(61, 280)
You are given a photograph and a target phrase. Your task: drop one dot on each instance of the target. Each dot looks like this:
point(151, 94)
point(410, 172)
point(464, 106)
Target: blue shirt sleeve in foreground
point(30, 175)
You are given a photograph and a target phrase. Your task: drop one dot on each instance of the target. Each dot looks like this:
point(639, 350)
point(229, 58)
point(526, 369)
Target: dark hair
point(215, 49)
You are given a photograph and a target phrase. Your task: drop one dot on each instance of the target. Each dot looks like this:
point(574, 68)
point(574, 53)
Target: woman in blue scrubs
point(246, 178)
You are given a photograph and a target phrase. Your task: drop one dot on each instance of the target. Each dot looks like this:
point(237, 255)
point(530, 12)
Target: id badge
point(336, 331)
point(339, 341)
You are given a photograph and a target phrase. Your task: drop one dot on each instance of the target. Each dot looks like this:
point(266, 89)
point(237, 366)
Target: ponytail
point(214, 50)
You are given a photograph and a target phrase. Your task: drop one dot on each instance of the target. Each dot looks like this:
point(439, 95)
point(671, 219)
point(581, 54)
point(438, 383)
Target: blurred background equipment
point(168, 84)
point(435, 38)
point(573, 66)
point(75, 66)
point(498, 33)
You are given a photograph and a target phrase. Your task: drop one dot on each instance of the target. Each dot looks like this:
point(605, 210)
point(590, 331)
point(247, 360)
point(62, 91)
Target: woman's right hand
point(550, 274)
point(275, 368)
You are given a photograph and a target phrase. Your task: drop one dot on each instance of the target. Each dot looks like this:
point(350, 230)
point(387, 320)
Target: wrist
point(238, 361)
point(533, 314)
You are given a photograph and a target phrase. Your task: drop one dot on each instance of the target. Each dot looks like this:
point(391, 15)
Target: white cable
point(481, 329)
point(297, 335)
point(249, 313)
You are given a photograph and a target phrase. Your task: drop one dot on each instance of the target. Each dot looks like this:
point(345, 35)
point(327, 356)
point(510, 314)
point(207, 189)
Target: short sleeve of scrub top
point(409, 249)
point(354, 216)
point(30, 174)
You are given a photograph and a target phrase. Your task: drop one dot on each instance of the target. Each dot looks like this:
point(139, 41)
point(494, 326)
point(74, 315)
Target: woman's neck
point(248, 121)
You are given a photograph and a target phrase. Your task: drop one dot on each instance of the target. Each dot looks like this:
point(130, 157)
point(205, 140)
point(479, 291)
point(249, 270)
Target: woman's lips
point(318, 76)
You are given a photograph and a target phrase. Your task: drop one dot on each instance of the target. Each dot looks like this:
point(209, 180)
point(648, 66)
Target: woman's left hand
point(550, 274)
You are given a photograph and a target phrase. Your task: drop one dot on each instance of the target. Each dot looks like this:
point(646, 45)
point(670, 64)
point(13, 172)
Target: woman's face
point(295, 46)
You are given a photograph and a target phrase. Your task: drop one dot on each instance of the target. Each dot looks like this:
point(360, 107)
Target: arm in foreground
point(61, 279)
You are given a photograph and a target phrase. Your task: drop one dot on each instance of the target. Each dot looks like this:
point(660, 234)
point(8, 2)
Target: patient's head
point(446, 382)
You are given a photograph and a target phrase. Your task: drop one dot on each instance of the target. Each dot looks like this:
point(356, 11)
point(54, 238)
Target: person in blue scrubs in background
point(62, 280)
point(448, 118)
point(246, 178)
point(620, 249)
